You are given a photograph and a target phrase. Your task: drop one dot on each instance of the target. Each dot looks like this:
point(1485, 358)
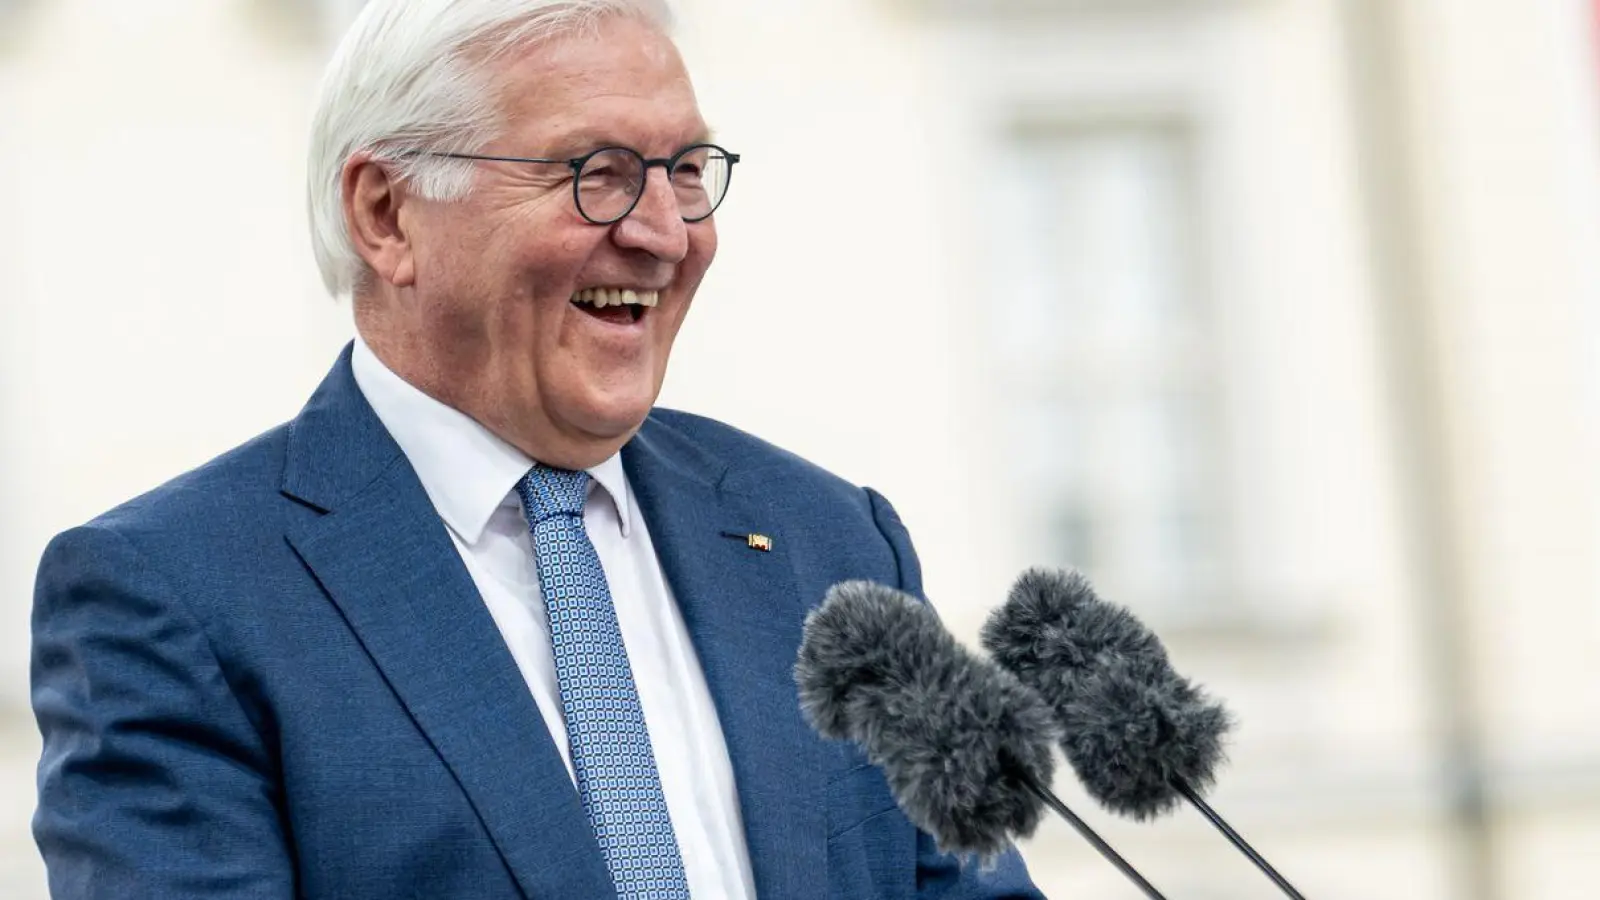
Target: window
point(1104, 350)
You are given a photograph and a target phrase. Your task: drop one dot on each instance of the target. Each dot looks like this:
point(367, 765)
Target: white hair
point(413, 75)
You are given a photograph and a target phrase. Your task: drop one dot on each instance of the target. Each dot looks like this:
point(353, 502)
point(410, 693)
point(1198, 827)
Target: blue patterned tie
point(611, 755)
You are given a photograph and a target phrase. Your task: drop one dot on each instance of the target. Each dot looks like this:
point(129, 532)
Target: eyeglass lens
point(611, 181)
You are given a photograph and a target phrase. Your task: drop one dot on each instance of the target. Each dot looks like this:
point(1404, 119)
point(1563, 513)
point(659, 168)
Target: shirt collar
point(467, 471)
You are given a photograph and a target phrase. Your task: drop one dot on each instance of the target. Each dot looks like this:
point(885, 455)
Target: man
point(478, 622)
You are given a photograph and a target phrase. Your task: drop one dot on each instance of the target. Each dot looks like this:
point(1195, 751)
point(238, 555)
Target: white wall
point(1508, 162)
point(163, 301)
point(160, 301)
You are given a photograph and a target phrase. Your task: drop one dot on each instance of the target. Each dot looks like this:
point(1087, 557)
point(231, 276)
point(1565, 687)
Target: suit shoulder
point(744, 454)
point(849, 531)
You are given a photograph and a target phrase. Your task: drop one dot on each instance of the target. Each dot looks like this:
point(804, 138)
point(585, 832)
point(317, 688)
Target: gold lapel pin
point(753, 541)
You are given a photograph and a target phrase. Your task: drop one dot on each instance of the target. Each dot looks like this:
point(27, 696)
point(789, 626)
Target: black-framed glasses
point(607, 184)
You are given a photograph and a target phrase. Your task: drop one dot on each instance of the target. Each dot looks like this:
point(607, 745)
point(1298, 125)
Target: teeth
point(600, 298)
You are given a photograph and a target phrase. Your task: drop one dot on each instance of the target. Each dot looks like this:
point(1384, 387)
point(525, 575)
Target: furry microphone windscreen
point(1131, 724)
point(956, 736)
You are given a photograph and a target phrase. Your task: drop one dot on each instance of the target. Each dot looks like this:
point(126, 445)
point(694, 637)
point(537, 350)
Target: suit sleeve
point(940, 876)
point(153, 780)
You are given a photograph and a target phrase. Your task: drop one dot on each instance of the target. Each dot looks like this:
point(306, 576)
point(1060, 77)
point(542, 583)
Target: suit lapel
point(744, 616)
point(385, 559)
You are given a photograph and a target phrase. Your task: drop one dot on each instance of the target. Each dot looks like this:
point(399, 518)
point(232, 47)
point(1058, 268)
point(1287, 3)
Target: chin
point(613, 418)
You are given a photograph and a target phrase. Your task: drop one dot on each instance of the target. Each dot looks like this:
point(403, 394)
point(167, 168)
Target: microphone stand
point(1051, 800)
point(1189, 793)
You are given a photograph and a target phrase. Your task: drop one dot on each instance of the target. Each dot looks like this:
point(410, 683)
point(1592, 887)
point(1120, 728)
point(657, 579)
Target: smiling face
point(485, 303)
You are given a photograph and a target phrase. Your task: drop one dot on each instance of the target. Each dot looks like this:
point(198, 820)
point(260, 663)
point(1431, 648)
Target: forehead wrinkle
point(653, 53)
point(567, 70)
point(610, 117)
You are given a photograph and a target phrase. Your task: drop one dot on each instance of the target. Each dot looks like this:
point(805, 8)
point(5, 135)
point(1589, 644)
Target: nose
point(656, 225)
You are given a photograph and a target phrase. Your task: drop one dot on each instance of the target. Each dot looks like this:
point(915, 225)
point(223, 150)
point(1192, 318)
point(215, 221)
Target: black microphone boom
point(1141, 737)
point(964, 745)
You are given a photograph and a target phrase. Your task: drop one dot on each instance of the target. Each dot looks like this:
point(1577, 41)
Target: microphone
point(964, 745)
point(1139, 735)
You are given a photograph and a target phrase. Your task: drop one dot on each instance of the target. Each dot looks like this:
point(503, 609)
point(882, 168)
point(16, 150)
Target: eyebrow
point(582, 141)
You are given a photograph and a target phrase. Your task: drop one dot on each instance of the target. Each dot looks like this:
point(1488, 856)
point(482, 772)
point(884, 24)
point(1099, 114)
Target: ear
point(374, 200)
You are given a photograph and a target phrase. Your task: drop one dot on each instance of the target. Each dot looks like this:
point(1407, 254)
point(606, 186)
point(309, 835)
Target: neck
point(419, 363)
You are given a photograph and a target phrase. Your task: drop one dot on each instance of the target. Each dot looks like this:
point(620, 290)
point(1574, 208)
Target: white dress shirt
point(470, 475)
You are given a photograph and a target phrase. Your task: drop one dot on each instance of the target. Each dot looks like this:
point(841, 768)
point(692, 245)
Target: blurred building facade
point(1280, 318)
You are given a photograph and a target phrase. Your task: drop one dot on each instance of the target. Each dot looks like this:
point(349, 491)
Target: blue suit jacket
point(274, 678)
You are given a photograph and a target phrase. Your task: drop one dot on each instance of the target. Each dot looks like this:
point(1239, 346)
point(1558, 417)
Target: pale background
point(1278, 317)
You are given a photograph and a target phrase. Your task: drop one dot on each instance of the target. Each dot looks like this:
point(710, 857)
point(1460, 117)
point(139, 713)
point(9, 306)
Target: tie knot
point(547, 493)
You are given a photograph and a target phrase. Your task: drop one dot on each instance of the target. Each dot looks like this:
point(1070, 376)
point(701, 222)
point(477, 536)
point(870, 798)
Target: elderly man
point(478, 622)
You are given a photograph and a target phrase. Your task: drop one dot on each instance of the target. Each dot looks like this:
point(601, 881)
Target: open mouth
point(619, 306)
